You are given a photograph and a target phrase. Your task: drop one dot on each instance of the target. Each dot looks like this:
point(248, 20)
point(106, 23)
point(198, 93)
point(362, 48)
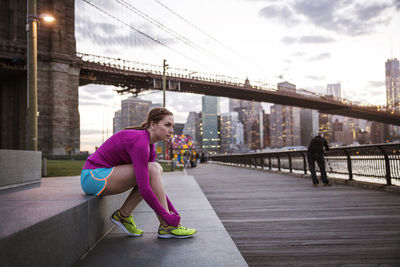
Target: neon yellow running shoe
point(175, 232)
point(127, 224)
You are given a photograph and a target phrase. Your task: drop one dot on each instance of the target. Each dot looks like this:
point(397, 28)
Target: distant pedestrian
point(315, 152)
point(127, 161)
point(202, 158)
point(192, 161)
point(185, 160)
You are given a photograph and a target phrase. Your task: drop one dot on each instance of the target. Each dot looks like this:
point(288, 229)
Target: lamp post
point(31, 28)
point(165, 66)
point(164, 85)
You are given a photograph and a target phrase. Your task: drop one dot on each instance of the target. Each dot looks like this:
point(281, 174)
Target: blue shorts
point(94, 181)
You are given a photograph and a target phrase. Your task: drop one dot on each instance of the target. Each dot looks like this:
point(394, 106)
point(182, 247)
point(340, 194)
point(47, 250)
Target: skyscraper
point(392, 72)
point(231, 132)
point(234, 104)
point(190, 125)
point(178, 128)
point(134, 111)
point(117, 123)
point(285, 121)
point(334, 90)
point(210, 124)
point(250, 114)
point(285, 126)
point(286, 86)
point(309, 125)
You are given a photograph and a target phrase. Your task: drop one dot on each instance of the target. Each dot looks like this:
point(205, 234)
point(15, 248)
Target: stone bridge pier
point(58, 78)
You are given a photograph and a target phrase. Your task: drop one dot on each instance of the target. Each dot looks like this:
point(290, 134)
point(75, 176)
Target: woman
point(127, 160)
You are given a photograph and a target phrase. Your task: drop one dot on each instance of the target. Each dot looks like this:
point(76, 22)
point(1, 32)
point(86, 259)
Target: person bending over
point(127, 161)
point(315, 152)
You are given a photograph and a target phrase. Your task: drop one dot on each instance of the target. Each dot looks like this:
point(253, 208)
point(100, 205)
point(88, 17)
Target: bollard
point(44, 167)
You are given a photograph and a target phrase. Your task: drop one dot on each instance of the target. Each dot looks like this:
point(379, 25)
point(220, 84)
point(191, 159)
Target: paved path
point(212, 245)
point(277, 219)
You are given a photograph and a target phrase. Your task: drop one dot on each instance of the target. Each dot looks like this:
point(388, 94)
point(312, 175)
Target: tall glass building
point(334, 90)
point(210, 122)
point(285, 126)
point(392, 72)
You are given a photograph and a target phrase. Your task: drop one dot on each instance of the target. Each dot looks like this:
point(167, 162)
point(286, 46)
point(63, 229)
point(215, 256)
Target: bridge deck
point(277, 219)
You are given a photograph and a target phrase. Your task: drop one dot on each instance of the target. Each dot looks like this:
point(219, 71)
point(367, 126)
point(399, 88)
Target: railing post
point(269, 163)
point(387, 165)
point(349, 168)
point(279, 162)
point(290, 162)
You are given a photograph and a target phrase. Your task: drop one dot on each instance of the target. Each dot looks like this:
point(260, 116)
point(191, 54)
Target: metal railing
point(378, 163)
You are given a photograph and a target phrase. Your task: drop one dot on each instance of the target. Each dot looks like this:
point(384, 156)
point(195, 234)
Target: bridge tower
point(58, 77)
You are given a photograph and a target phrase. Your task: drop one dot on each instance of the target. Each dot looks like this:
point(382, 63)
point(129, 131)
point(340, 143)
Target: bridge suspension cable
point(176, 34)
point(209, 35)
point(144, 34)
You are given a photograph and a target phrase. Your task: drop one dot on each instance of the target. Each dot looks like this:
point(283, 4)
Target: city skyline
point(311, 48)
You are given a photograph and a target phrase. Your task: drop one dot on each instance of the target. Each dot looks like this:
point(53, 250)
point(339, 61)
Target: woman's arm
point(140, 157)
point(170, 206)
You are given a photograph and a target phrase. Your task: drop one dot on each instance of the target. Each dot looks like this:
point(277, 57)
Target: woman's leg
point(122, 179)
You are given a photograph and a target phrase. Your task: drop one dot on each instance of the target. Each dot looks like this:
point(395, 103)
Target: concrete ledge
point(55, 224)
point(20, 167)
point(212, 245)
point(52, 223)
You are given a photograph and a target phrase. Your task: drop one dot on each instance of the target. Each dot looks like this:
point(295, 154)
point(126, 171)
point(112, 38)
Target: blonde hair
point(155, 115)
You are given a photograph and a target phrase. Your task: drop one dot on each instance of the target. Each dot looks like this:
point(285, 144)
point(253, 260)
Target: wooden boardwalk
point(282, 220)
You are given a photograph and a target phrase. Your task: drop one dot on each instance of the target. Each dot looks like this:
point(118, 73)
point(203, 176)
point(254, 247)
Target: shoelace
point(128, 220)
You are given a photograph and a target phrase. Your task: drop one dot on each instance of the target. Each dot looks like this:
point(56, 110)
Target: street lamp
point(47, 17)
point(165, 66)
point(31, 28)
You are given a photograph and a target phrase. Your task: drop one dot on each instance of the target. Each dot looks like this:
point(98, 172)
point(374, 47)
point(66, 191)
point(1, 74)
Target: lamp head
point(47, 17)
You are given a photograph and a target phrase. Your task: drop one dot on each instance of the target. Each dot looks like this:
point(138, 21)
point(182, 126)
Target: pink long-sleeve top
point(133, 146)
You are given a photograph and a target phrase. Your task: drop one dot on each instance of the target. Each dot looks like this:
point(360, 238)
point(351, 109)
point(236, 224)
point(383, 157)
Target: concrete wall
point(19, 166)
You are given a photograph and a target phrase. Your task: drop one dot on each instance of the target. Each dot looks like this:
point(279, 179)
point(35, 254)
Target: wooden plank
point(277, 219)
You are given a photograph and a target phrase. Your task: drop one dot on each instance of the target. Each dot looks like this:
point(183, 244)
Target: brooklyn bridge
point(61, 70)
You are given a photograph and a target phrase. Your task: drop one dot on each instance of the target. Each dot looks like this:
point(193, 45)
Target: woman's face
point(164, 128)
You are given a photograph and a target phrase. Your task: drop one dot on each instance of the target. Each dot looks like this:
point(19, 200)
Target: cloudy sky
point(310, 43)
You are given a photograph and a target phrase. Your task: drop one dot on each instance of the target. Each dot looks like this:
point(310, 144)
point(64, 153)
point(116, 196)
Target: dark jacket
point(317, 145)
